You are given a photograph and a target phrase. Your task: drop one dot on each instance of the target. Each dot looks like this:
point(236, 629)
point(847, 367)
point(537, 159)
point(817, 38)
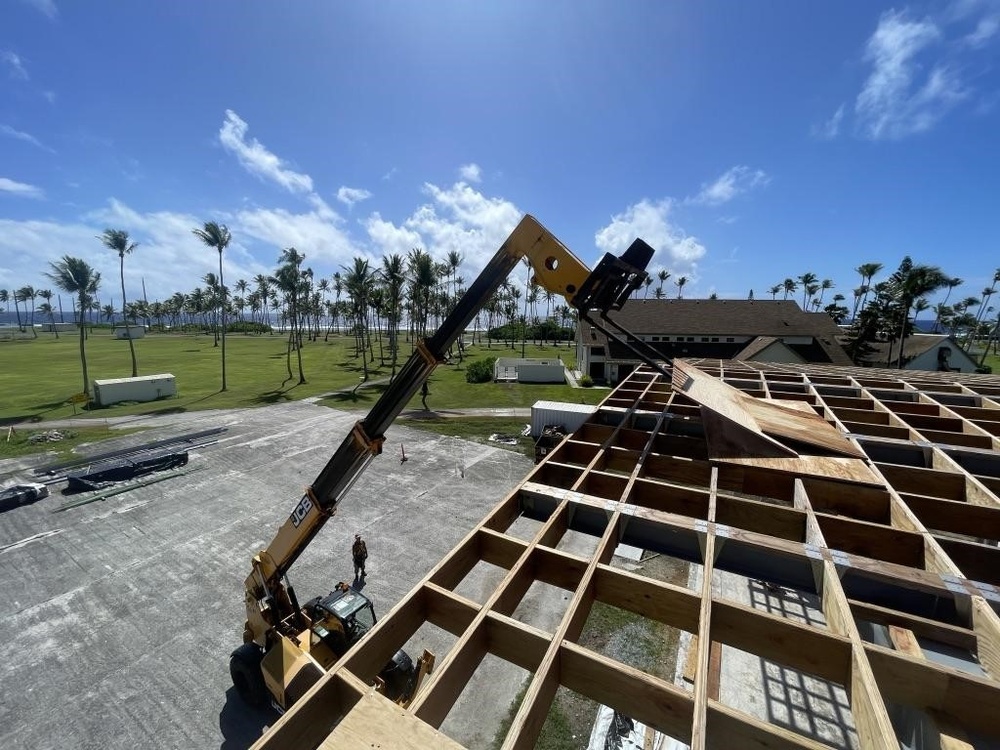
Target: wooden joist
point(888, 529)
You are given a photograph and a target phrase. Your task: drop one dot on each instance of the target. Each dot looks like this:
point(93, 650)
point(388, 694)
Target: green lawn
point(39, 375)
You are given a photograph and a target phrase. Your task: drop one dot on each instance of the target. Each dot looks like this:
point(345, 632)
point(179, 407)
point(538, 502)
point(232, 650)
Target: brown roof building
point(758, 330)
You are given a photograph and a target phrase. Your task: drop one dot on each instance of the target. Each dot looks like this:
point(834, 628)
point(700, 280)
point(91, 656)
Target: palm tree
point(908, 284)
point(118, 241)
point(241, 286)
point(774, 291)
point(218, 236)
point(393, 274)
point(26, 295)
point(358, 282)
point(662, 275)
point(867, 272)
point(789, 286)
point(75, 276)
point(46, 308)
point(807, 280)
point(290, 279)
point(953, 282)
point(824, 285)
point(681, 281)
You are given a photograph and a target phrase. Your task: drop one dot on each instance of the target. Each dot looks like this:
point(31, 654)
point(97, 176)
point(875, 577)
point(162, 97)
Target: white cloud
point(733, 182)
point(10, 132)
point(652, 222)
point(256, 159)
point(830, 129)
point(50, 96)
point(318, 233)
point(20, 188)
point(349, 196)
point(14, 64)
point(986, 29)
point(48, 7)
point(470, 173)
point(389, 238)
point(390, 174)
point(169, 258)
point(458, 218)
point(894, 102)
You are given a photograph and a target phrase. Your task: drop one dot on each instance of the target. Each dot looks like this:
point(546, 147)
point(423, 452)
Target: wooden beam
point(802, 647)
point(447, 610)
point(650, 700)
point(727, 728)
point(530, 716)
point(934, 630)
point(969, 700)
point(375, 722)
point(672, 605)
point(499, 549)
point(439, 693)
point(558, 568)
point(872, 540)
point(955, 516)
point(515, 641)
point(311, 719)
point(699, 738)
point(986, 624)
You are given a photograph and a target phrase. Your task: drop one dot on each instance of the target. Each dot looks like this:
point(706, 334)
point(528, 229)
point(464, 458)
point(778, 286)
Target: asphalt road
point(118, 617)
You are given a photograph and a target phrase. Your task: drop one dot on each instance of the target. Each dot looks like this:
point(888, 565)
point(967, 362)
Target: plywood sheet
point(765, 419)
point(830, 467)
point(376, 722)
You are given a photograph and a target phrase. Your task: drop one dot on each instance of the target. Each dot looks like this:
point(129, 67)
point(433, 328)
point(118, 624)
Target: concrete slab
point(118, 617)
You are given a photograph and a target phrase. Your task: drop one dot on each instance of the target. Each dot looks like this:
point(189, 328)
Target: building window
point(715, 339)
point(690, 338)
point(656, 338)
point(666, 338)
point(730, 340)
point(704, 338)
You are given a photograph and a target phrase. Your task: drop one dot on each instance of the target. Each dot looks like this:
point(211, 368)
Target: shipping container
point(143, 388)
point(569, 415)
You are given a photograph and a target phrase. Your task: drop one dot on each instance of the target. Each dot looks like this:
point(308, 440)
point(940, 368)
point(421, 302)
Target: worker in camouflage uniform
point(359, 551)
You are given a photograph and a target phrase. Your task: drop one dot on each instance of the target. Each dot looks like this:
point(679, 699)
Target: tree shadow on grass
point(271, 397)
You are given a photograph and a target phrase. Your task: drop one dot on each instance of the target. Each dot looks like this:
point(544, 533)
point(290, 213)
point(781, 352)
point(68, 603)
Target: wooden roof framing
point(910, 544)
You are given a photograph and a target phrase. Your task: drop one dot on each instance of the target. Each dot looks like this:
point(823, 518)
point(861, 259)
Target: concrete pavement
point(119, 616)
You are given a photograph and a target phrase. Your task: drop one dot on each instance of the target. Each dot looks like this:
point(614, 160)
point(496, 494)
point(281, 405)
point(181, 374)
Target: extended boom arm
point(556, 269)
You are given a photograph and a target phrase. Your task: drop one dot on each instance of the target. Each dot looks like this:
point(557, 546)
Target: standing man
point(424, 393)
point(359, 551)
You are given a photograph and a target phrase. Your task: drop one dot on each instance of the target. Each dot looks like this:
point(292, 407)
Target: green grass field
point(38, 376)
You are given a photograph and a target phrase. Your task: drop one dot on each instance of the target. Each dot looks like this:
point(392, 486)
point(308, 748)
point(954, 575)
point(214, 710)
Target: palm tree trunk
point(83, 348)
point(128, 331)
point(222, 289)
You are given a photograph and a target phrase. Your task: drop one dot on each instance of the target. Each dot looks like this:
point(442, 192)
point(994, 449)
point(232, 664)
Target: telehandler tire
point(244, 668)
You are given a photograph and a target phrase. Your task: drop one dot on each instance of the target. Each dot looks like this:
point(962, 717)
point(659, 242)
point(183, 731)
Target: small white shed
point(569, 415)
point(130, 332)
point(143, 388)
point(515, 369)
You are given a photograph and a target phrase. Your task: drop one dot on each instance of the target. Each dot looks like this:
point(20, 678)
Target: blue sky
point(746, 141)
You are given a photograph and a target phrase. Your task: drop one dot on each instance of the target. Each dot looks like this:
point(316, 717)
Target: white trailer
point(569, 415)
point(143, 388)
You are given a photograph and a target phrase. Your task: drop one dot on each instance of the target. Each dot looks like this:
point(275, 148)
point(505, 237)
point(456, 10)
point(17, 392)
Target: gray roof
point(726, 317)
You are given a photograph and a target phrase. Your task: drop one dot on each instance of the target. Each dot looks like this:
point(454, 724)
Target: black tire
point(244, 668)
